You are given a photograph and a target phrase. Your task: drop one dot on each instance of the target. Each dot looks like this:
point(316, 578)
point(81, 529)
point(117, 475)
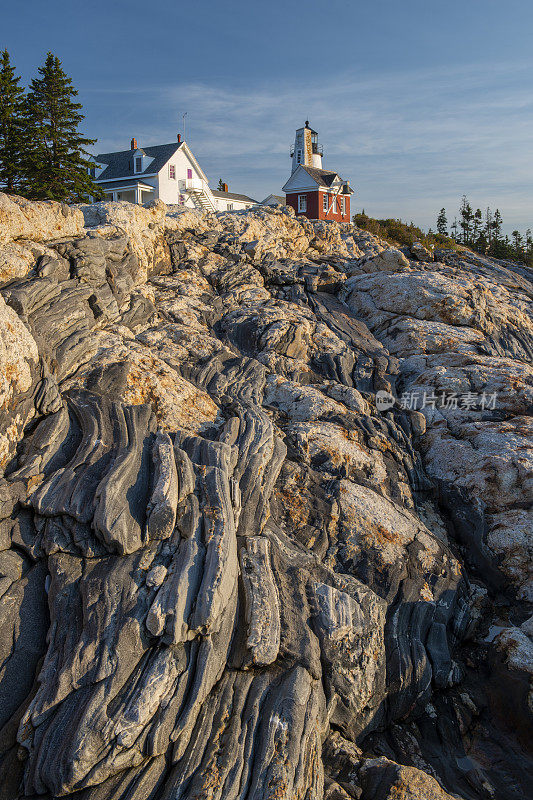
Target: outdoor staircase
point(202, 199)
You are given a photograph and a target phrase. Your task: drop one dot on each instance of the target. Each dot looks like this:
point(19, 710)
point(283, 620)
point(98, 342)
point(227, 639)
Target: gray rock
point(225, 570)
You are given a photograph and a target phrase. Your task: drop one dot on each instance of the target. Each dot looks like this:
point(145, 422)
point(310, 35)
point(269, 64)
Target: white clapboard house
point(169, 172)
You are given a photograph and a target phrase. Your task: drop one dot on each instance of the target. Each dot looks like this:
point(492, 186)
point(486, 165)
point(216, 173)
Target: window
point(325, 202)
point(230, 206)
point(138, 164)
point(299, 157)
point(343, 206)
point(92, 172)
point(302, 203)
point(172, 172)
point(189, 173)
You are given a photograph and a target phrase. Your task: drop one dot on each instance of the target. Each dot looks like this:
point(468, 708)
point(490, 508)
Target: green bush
point(400, 233)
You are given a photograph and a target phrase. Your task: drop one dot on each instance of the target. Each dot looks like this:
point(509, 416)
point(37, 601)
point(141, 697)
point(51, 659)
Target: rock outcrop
point(265, 525)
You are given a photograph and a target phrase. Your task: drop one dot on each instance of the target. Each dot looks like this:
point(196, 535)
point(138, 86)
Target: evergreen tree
point(57, 163)
point(442, 222)
point(455, 229)
point(467, 217)
point(529, 243)
point(220, 186)
point(518, 243)
point(488, 226)
point(481, 244)
point(12, 127)
point(497, 223)
point(476, 224)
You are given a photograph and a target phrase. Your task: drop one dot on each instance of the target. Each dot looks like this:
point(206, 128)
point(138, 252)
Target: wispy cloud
point(410, 141)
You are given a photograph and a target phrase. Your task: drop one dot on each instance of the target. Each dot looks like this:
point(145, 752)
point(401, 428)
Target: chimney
point(224, 187)
point(179, 138)
point(133, 144)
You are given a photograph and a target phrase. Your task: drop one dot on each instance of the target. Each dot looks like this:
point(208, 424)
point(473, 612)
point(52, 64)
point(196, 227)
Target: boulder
point(420, 253)
point(37, 221)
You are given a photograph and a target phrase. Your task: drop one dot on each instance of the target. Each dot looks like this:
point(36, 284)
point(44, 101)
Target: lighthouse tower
point(306, 149)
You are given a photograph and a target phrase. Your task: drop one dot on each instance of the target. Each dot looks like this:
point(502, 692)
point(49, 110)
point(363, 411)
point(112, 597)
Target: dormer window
point(138, 164)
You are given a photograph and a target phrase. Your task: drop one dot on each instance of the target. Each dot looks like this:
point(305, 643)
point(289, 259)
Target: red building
point(314, 192)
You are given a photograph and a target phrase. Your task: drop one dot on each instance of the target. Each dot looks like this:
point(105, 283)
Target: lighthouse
point(306, 149)
point(314, 192)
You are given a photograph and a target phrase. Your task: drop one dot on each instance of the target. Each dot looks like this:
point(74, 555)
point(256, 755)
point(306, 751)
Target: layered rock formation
point(228, 568)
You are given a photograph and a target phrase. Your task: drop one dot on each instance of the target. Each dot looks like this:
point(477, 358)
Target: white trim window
point(230, 206)
point(138, 164)
point(302, 203)
point(172, 172)
point(343, 206)
point(325, 202)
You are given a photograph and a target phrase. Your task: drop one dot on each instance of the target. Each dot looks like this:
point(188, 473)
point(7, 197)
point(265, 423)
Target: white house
point(169, 172)
point(230, 201)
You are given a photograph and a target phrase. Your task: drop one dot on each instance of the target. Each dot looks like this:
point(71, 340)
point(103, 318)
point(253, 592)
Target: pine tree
point(220, 186)
point(497, 223)
point(482, 244)
point(12, 127)
point(476, 224)
point(467, 216)
point(57, 163)
point(518, 243)
point(529, 243)
point(488, 227)
point(455, 229)
point(442, 222)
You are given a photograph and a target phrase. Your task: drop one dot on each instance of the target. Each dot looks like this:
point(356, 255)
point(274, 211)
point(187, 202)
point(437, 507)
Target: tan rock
point(18, 367)
point(398, 782)
point(175, 402)
point(37, 220)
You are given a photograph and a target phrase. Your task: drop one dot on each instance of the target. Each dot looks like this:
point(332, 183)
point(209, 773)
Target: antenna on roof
point(183, 117)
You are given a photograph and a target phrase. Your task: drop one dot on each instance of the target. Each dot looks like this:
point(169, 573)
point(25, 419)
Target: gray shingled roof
point(232, 196)
point(322, 176)
point(120, 165)
point(281, 200)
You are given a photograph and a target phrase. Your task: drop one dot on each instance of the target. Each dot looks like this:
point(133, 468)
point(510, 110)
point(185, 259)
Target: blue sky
point(417, 102)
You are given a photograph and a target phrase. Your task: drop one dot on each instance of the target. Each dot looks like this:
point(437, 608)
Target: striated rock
point(227, 568)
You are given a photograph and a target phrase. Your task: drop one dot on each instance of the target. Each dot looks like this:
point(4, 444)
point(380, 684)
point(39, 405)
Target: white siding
point(221, 204)
point(168, 188)
point(300, 180)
